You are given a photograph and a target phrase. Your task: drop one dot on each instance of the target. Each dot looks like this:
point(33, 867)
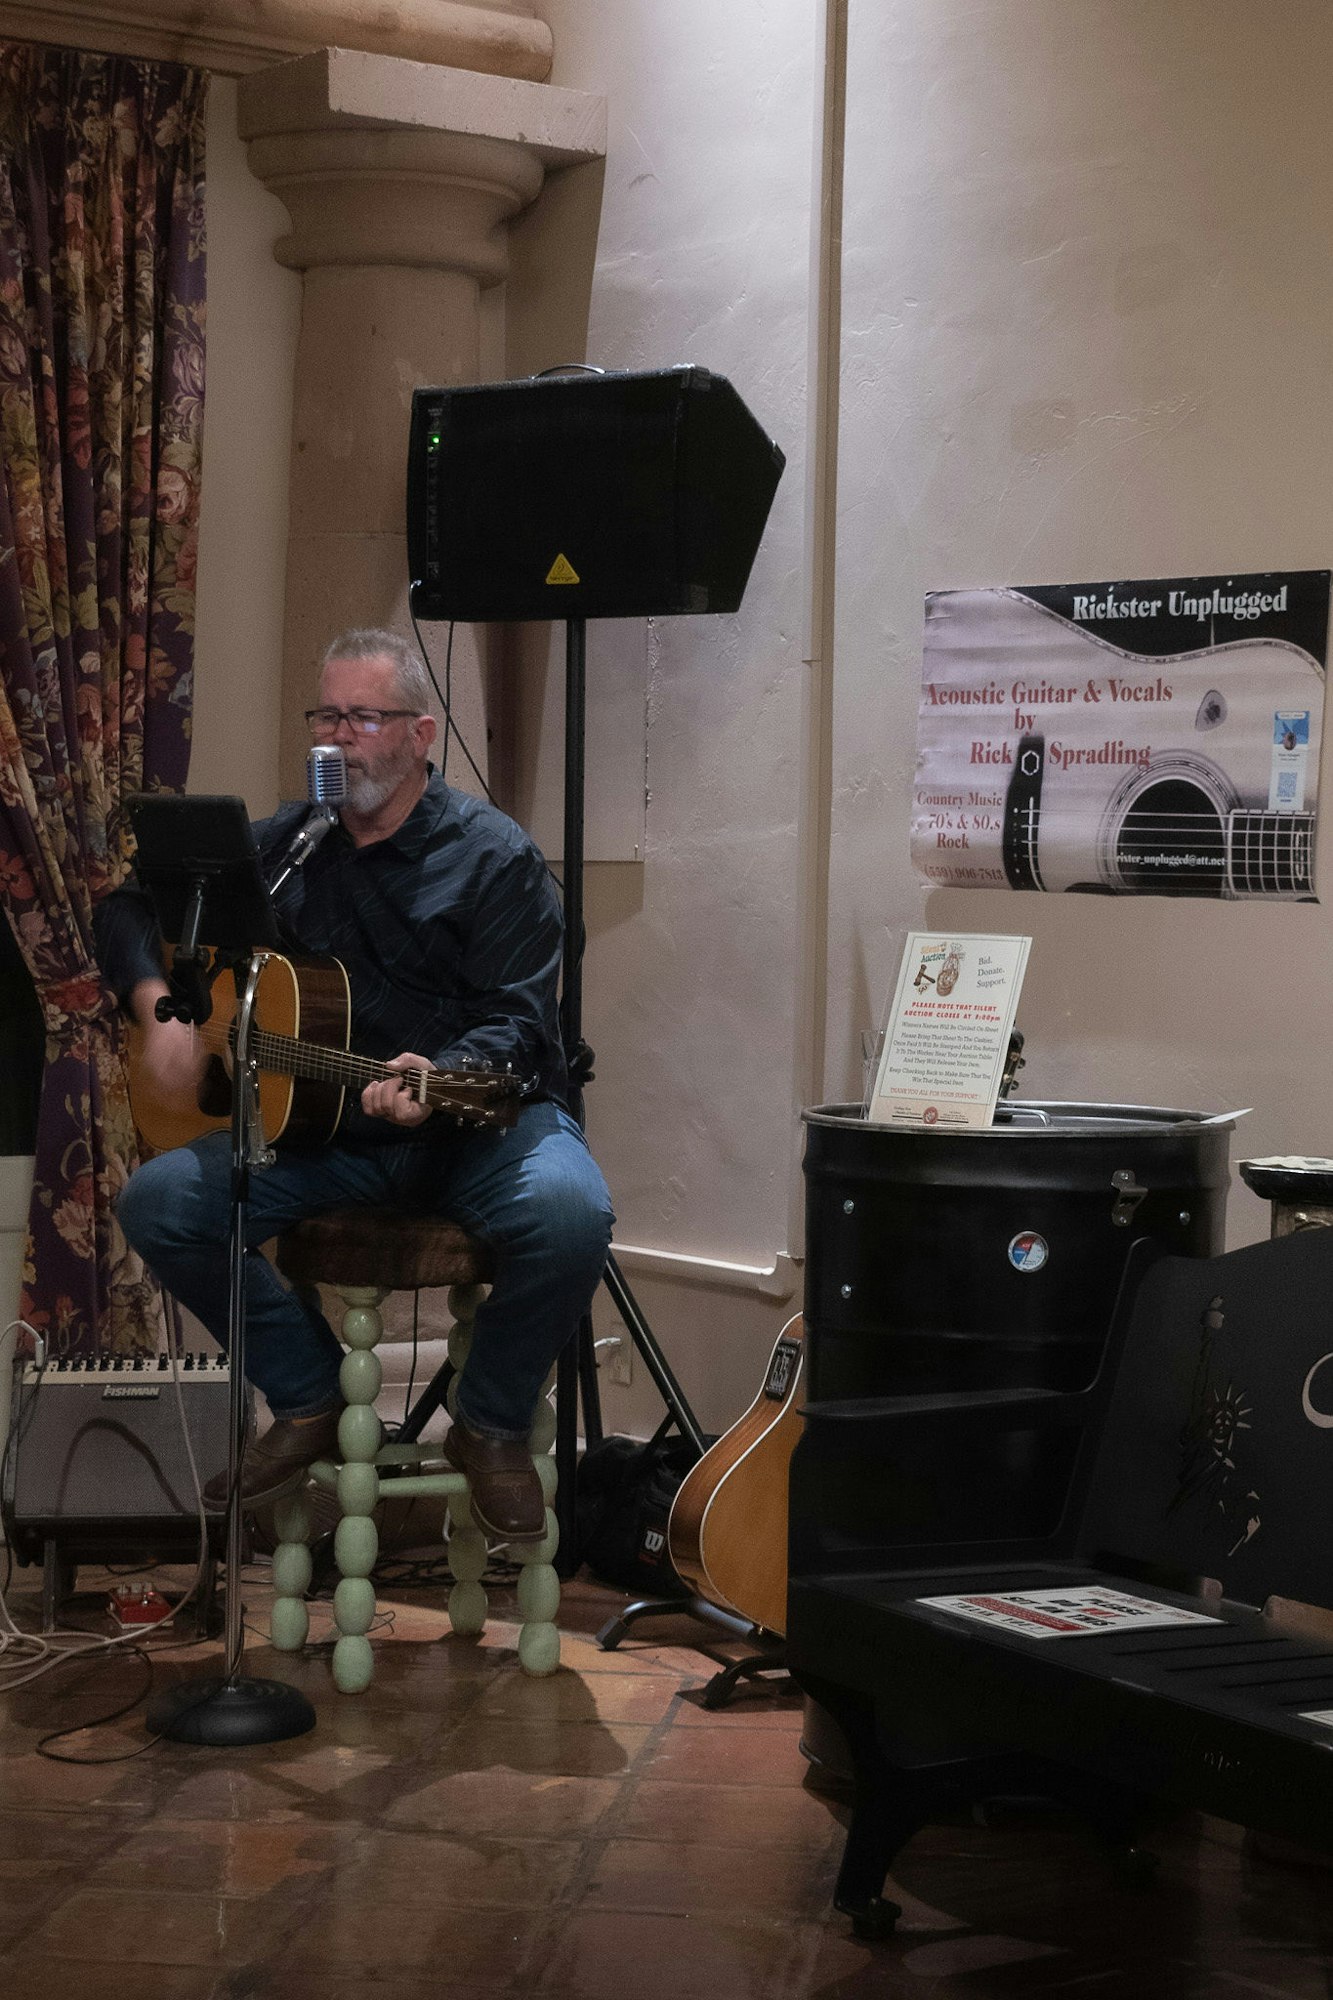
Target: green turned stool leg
point(289, 1621)
point(293, 1525)
point(356, 1541)
point(538, 1583)
point(467, 1605)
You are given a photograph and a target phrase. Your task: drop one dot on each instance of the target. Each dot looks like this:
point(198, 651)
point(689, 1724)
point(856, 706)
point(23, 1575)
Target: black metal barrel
point(986, 1259)
point(991, 1258)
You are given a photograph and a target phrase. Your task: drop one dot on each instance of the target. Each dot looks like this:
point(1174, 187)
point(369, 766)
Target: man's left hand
point(393, 1100)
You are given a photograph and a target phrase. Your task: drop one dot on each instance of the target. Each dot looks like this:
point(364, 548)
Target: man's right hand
point(171, 1054)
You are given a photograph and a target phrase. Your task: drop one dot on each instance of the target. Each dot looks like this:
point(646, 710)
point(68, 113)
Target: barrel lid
point(1290, 1177)
point(1030, 1119)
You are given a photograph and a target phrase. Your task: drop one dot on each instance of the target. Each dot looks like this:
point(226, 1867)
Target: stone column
point(400, 179)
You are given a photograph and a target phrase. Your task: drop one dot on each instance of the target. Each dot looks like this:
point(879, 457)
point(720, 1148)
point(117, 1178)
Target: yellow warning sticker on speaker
point(562, 571)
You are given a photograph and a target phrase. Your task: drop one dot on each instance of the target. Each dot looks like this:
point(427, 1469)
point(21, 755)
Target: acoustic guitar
point(728, 1528)
point(299, 1037)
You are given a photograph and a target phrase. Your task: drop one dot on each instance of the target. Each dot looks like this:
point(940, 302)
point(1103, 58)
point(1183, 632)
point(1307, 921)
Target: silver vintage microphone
point(326, 788)
point(325, 775)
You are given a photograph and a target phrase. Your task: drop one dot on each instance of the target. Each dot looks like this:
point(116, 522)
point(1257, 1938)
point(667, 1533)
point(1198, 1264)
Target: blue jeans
point(533, 1193)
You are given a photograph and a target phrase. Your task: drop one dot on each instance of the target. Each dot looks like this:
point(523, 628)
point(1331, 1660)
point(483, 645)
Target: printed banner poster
point(1156, 738)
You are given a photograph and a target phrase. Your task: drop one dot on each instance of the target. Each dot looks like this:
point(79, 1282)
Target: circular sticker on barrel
point(1028, 1251)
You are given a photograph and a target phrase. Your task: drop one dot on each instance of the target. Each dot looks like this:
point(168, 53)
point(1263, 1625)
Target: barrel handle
point(1128, 1195)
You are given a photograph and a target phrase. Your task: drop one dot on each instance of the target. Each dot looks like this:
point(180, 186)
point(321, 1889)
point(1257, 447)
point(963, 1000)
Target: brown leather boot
point(275, 1462)
point(506, 1492)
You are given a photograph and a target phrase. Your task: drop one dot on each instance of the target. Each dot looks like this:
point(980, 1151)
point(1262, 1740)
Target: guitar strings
point(314, 1062)
point(1297, 824)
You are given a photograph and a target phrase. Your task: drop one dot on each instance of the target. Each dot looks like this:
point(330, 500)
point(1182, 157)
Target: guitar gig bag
point(624, 1495)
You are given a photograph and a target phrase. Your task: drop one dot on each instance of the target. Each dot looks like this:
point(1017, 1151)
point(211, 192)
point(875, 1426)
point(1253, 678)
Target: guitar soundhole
point(1173, 842)
point(214, 1095)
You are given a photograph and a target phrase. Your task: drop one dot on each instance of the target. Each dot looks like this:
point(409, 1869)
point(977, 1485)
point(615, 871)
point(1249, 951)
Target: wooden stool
point(363, 1254)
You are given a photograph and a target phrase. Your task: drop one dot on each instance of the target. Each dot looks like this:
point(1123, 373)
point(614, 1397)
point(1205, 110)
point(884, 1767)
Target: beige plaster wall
point(254, 312)
point(1089, 290)
point(689, 991)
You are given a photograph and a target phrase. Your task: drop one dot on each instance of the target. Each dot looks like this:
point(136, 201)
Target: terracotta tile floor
point(462, 1830)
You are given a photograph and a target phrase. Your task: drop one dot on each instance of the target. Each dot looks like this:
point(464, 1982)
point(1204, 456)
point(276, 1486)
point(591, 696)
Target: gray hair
point(371, 643)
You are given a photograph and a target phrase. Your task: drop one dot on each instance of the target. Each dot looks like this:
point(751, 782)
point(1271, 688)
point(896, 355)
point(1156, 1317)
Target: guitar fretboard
point(319, 1064)
point(484, 1095)
point(1271, 853)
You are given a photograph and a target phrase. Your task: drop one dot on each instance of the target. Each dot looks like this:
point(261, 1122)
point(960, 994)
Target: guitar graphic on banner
point(1172, 827)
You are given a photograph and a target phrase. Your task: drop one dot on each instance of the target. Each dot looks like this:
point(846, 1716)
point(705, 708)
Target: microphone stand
point(312, 831)
point(198, 855)
point(234, 1709)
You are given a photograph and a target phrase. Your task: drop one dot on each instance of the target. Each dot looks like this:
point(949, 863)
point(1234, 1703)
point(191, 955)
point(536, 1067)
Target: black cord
point(445, 697)
point(115, 1715)
point(101, 1721)
point(433, 1572)
point(582, 1058)
point(412, 1375)
point(95, 1656)
point(17, 1431)
point(444, 700)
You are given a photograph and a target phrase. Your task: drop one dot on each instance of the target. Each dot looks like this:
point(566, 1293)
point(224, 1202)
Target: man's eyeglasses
point(365, 721)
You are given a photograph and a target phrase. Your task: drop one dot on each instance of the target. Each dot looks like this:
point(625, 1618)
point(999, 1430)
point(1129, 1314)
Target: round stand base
point(221, 1712)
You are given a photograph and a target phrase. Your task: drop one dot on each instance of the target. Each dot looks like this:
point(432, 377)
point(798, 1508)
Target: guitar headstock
point(478, 1096)
point(1014, 1061)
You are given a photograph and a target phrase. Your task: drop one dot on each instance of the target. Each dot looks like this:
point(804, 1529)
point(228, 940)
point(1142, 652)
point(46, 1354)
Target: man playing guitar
point(442, 914)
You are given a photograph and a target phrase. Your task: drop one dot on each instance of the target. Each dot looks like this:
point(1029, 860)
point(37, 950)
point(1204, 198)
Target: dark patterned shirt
point(449, 932)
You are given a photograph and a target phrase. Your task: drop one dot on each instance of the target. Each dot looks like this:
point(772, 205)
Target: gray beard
point(365, 794)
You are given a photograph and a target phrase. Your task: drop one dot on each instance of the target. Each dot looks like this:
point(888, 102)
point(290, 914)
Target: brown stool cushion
point(381, 1246)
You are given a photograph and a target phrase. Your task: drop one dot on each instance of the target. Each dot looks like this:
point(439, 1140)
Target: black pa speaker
point(585, 496)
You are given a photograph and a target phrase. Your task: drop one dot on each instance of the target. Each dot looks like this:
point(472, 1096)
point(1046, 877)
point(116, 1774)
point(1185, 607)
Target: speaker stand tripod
point(576, 1370)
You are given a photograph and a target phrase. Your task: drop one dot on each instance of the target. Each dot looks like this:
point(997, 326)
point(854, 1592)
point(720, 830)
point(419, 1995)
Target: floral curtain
point(101, 419)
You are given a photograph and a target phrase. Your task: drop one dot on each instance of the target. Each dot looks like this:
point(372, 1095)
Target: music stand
point(200, 864)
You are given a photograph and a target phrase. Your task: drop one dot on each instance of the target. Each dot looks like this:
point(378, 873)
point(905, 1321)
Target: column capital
point(383, 161)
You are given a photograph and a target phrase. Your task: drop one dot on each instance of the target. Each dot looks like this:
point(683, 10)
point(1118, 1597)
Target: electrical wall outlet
point(621, 1356)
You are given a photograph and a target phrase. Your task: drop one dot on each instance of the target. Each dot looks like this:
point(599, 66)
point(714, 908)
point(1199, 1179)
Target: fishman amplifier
point(96, 1465)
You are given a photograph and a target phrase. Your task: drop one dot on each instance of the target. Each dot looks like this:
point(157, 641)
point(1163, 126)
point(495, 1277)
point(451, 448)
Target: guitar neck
point(487, 1097)
point(1271, 853)
point(478, 1095)
point(287, 1056)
